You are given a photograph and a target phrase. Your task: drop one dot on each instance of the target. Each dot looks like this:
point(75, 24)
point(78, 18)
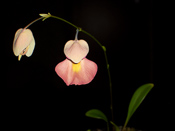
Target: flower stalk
point(104, 50)
point(108, 70)
point(76, 65)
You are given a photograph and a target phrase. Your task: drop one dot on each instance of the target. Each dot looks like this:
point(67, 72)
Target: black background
point(34, 97)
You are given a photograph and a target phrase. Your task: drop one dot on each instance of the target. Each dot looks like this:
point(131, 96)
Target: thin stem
point(107, 126)
point(109, 75)
point(93, 38)
point(64, 21)
point(76, 35)
point(33, 22)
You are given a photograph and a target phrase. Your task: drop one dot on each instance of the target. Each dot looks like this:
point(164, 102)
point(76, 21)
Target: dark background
point(34, 97)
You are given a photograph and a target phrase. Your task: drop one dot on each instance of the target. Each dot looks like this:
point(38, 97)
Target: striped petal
point(78, 74)
point(76, 50)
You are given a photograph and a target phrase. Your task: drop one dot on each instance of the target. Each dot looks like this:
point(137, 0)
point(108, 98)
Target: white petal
point(31, 48)
point(76, 50)
point(18, 32)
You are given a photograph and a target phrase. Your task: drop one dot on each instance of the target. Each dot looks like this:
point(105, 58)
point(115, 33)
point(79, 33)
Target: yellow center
point(76, 67)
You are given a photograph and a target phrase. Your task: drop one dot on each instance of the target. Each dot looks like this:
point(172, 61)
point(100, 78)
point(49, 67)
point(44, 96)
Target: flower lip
point(76, 50)
point(76, 74)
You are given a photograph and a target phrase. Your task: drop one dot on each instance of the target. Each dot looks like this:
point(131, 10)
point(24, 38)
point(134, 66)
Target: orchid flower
point(23, 43)
point(76, 69)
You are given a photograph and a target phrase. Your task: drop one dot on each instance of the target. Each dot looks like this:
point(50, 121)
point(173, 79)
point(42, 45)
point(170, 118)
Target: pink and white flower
point(76, 69)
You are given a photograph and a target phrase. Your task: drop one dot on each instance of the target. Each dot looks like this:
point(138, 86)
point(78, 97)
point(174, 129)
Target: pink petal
point(22, 39)
point(76, 50)
point(64, 70)
point(84, 76)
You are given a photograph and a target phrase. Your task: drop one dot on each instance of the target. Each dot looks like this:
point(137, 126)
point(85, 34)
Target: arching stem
point(33, 22)
point(104, 50)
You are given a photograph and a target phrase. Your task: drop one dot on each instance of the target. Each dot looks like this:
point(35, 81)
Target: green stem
point(94, 39)
point(64, 21)
point(106, 58)
point(33, 22)
point(107, 126)
point(109, 74)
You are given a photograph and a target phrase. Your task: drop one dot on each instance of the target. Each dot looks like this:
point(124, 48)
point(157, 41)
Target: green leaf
point(95, 113)
point(115, 126)
point(137, 99)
